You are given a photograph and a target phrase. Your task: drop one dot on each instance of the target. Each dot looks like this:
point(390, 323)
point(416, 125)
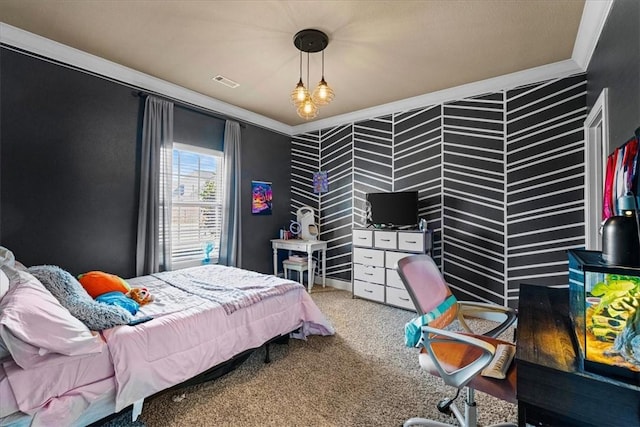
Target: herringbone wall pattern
point(545, 180)
point(500, 179)
point(474, 198)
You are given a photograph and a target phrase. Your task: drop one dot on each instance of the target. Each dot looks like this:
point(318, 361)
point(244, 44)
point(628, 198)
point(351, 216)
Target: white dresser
point(375, 254)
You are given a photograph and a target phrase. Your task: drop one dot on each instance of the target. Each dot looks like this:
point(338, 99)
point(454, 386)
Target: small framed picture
point(320, 182)
point(261, 198)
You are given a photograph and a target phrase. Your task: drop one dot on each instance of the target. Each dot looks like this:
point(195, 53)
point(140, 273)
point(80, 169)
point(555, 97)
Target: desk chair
point(456, 357)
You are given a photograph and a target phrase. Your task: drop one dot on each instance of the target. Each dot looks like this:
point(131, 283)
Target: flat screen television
point(394, 210)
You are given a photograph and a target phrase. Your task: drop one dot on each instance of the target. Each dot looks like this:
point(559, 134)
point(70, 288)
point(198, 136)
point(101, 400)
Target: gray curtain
point(154, 210)
point(230, 248)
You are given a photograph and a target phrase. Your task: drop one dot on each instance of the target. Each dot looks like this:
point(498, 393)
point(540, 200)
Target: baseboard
point(334, 283)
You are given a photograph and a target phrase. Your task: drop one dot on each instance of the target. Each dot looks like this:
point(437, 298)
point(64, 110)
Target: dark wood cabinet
point(551, 390)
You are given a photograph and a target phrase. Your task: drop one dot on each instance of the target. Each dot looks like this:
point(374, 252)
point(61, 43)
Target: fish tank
point(605, 311)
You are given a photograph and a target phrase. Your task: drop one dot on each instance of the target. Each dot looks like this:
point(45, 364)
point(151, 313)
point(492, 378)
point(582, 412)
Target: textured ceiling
point(379, 51)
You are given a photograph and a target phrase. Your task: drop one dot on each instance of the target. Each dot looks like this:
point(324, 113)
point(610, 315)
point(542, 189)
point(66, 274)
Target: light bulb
point(322, 94)
point(308, 109)
point(299, 94)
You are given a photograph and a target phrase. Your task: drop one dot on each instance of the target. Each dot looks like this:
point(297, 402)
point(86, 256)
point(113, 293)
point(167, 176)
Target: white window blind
point(197, 190)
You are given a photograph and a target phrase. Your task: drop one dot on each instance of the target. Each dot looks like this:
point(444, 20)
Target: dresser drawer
point(367, 273)
point(363, 238)
point(391, 258)
point(368, 290)
point(385, 239)
point(399, 298)
point(368, 257)
point(411, 241)
point(393, 279)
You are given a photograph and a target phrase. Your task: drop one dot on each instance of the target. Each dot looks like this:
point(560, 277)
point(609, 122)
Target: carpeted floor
point(362, 376)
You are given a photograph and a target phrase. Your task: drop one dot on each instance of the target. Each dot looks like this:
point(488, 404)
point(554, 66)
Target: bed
point(56, 371)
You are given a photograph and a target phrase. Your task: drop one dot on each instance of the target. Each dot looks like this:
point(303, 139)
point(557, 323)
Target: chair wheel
point(444, 406)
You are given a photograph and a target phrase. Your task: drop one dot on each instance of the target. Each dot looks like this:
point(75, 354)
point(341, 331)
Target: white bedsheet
point(189, 335)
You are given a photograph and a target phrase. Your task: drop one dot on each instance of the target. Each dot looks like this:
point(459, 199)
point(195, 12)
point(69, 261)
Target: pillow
point(33, 323)
point(4, 283)
point(6, 257)
point(97, 316)
point(9, 265)
point(4, 287)
point(97, 283)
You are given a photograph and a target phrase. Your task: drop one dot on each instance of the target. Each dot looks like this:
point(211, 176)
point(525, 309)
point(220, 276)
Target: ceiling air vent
point(225, 81)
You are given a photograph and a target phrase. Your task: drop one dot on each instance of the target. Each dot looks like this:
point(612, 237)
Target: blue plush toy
point(119, 299)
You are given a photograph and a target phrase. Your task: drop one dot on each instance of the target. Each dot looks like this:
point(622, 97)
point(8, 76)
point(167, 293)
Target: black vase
point(620, 245)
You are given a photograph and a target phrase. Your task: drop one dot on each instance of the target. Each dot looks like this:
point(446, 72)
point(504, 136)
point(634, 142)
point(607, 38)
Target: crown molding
point(594, 16)
point(592, 22)
point(83, 61)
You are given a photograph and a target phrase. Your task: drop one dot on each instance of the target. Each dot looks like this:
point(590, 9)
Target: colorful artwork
point(320, 182)
point(261, 198)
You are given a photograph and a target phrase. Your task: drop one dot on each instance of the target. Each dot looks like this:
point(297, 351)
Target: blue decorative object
point(207, 248)
point(119, 299)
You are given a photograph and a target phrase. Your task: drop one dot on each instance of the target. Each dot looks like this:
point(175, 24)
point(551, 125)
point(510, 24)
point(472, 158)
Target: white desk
point(308, 246)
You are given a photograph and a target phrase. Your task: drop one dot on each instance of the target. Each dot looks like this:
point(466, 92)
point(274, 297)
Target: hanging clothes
point(607, 193)
point(621, 176)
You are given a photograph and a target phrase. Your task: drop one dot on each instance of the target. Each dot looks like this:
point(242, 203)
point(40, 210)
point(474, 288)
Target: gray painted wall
point(69, 153)
point(615, 64)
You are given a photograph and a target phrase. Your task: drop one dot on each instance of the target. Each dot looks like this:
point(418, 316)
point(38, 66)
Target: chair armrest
point(461, 376)
point(484, 311)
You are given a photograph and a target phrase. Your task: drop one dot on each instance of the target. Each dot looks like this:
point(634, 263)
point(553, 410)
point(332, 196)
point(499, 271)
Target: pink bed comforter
point(190, 334)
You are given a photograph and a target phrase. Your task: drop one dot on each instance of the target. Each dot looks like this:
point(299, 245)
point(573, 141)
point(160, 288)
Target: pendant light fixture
point(311, 41)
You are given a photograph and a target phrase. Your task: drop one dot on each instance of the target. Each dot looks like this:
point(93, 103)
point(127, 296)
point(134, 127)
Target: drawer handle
point(367, 257)
point(404, 299)
point(386, 240)
point(363, 238)
point(411, 241)
point(367, 290)
point(368, 274)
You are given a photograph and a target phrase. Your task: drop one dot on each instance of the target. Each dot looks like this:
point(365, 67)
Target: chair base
point(468, 419)
point(424, 422)
point(430, 423)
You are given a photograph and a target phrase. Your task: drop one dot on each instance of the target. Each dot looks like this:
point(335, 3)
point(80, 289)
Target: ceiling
point(379, 52)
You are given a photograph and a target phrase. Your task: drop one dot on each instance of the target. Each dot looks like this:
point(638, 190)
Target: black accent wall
point(615, 64)
point(266, 156)
point(69, 174)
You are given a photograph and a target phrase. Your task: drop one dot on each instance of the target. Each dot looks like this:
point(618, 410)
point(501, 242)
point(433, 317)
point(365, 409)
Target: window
point(196, 204)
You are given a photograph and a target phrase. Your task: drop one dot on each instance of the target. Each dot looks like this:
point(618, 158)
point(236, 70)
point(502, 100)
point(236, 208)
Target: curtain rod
point(187, 105)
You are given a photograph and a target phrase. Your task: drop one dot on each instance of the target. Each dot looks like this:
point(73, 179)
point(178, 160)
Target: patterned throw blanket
point(232, 288)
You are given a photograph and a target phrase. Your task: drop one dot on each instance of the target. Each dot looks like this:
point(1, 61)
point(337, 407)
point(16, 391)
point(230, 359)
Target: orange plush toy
point(140, 295)
point(97, 283)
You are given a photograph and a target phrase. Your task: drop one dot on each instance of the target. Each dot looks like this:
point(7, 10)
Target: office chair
point(457, 357)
